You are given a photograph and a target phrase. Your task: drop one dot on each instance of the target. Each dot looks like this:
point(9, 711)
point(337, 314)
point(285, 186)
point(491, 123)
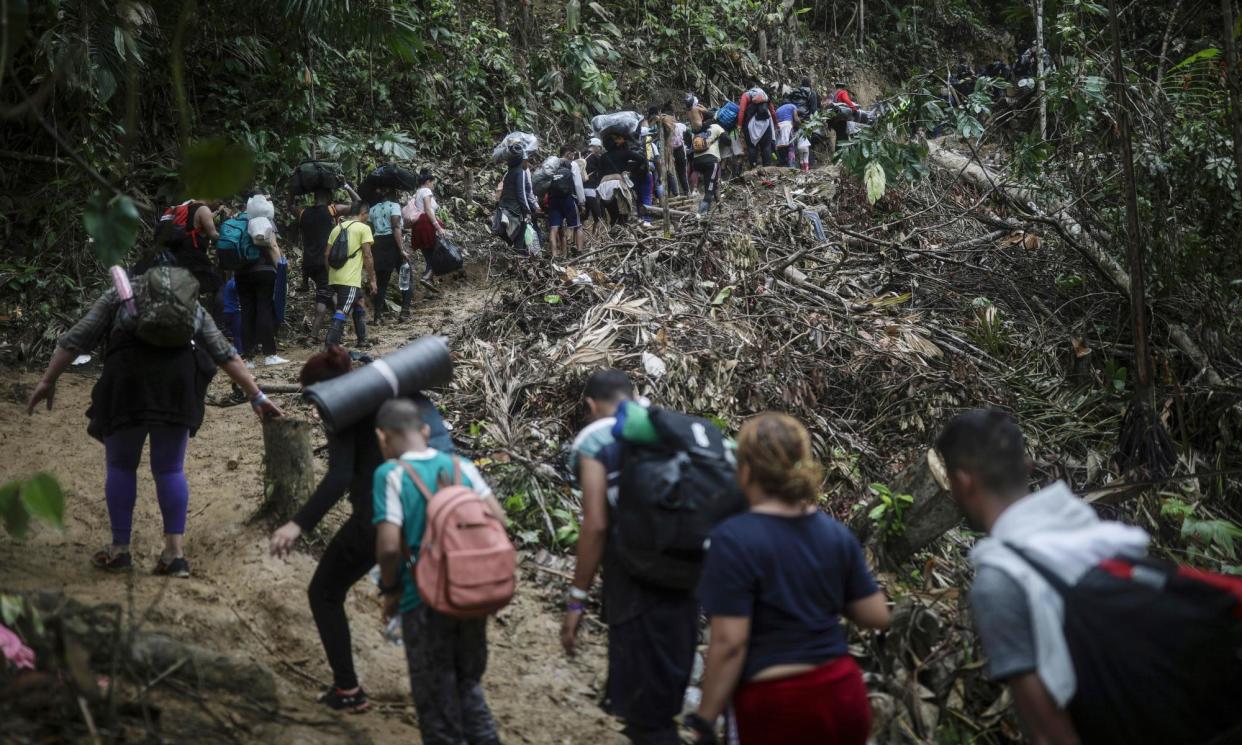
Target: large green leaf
point(14, 513)
point(113, 226)
point(43, 499)
point(1202, 55)
point(216, 169)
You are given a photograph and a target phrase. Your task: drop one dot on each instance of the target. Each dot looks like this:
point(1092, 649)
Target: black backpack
point(1157, 652)
point(562, 182)
point(671, 496)
point(339, 255)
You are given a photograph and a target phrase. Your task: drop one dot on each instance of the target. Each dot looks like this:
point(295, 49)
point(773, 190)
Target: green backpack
point(167, 304)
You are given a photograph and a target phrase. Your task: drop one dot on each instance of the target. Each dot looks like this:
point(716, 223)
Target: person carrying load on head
point(161, 351)
point(315, 223)
point(590, 184)
point(620, 162)
point(516, 203)
point(388, 251)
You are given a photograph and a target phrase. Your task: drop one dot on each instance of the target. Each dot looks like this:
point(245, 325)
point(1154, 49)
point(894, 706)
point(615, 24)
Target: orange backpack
point(466, 566)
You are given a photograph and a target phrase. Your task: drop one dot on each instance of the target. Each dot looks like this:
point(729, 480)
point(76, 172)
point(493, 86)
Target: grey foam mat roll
point(422, 364)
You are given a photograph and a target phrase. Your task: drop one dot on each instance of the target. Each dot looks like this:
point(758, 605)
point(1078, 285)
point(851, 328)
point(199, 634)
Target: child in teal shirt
point(447, 656)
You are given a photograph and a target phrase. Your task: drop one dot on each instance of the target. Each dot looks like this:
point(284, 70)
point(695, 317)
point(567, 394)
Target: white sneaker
point(249, 364)
point(275, 360)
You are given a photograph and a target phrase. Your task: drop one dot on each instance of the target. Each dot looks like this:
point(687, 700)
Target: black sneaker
point(354, 703)
point(109, 562)
point(178, 567)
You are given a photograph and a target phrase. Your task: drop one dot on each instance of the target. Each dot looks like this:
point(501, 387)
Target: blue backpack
point(234, 249)
point(726, 116)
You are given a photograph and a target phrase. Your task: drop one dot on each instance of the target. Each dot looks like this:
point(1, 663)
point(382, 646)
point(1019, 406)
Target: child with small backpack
point(456, 533)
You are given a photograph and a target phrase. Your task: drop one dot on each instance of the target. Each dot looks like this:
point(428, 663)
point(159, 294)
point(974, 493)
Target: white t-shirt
point(424, 201)
point(679, 135)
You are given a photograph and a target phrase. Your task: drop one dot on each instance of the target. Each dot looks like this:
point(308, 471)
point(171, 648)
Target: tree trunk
point(862, 14)
point(763, 45)
point(288, 468)
point(502, 14)
point(1041, 89)
point(1134, 244)
point(932, 514)
point(1233, 78)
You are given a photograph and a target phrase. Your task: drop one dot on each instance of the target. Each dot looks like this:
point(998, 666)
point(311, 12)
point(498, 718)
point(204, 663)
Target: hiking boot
point(178, 567)
point(105, 560)
point(354, 703)
point(403, 318)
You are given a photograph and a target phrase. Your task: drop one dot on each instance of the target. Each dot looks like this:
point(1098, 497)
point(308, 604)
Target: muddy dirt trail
point(243, 602)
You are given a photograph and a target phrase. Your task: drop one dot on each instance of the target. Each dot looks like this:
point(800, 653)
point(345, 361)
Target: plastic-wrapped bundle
point(620, 123)
point(419, 365)
point(528, 142)
point(315, 174)
point(542, 178)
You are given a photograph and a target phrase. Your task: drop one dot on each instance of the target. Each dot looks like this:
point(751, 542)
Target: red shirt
point(843, 96)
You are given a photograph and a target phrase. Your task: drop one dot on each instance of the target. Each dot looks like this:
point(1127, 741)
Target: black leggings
point(382, 278)
point(760, 153)
point(708, 169)
point(258, 311)
point(350, 555)
point(683, 174)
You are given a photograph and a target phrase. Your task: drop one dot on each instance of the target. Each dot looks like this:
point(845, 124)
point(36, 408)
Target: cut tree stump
point(932, 514)
point(288, 468)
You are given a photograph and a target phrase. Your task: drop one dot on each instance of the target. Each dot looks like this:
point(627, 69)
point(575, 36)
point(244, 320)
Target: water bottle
point(403, 282)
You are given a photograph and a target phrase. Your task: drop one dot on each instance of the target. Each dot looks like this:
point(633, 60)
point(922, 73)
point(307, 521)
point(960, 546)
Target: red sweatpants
point(825, 706)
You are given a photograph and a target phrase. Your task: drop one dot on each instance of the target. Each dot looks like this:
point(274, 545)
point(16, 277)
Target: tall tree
point(1233, 78)
point(1037, 7)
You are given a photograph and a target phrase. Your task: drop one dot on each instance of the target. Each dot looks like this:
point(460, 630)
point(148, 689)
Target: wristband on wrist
point(259, 399)
point(574, 606)
point(392, 589)
point(577, 594)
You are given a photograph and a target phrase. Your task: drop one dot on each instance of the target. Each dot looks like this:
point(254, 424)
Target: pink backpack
point(467, 567)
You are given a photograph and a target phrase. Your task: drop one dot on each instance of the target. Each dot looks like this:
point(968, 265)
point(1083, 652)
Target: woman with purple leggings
point(146, 392)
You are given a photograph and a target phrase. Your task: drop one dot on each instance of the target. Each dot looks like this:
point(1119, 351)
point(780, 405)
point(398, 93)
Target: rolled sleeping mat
point(422, 364)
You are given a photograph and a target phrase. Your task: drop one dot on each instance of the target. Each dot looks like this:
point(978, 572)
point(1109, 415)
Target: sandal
point(103, 559)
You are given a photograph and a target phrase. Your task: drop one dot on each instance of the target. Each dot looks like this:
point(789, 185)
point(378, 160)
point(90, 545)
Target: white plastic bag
point(528, 142)
point(260, 206)
point(622, 123)
point(260, 230)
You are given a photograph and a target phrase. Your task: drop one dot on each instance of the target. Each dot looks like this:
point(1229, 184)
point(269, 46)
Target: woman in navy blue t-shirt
point(776, 582)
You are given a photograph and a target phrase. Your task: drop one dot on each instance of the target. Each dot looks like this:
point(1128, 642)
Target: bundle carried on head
point(315, 174)
point(621, 123)
point(521, 144)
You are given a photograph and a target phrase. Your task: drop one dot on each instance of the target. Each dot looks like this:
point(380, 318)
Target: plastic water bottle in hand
point(403, 281)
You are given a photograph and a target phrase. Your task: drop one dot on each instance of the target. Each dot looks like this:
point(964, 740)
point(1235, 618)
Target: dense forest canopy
point(1061, 241)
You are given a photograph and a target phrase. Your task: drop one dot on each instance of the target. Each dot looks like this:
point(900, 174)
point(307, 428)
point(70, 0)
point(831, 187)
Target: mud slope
point(242, 601)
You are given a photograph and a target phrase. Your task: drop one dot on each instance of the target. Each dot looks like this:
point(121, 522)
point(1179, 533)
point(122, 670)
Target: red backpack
point(467, 567)
point(177, 224)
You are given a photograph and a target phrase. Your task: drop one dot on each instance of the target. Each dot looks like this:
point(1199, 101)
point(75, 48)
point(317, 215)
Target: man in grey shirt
point(1003, 618)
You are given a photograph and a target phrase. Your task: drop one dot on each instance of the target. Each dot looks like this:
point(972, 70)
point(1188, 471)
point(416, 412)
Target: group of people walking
point(629, 163)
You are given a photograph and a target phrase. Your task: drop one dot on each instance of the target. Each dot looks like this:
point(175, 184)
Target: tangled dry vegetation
point(872, 324)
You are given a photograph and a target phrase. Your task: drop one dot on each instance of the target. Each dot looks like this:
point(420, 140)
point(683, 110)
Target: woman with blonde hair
point(776, 581)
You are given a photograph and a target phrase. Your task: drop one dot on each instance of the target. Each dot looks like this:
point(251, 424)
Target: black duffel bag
point(315, 174)
point(388, 176)
point(445, 257)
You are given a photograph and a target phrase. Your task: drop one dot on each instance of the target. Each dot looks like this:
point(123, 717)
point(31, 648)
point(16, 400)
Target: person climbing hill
point(387, 252)
point(425, 229)
point(350, 273)
point(447, 656)
point(353, 456)
point(159, 348)
point(757, 125)
point(776, 582)
point(315, 224)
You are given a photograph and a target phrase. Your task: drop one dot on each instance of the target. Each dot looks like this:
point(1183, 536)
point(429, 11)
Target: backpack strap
point(1051, 577)
point(418, 481)
point(456, 471)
